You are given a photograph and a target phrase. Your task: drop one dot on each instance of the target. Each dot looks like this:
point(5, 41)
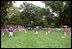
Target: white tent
point(66, 26)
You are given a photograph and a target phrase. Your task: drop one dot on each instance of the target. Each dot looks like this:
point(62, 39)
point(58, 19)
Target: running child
point(36, 31)
point(65, 31)
point(11, 31)
point(49, 30)
point(3, 32)
point(70, 31)
point(46, 31)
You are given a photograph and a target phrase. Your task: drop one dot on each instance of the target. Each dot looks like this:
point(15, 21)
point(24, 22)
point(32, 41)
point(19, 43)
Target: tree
point(30, 13)
point(60, 7)
point(4, 7)
point(14, 16)
point(15, 20)
point(33, 13)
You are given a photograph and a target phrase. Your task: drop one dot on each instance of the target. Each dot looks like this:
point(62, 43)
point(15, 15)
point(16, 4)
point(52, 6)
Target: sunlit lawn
point(29, 40)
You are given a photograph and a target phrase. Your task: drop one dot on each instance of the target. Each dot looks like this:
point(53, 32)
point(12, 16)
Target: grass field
point(28, 40)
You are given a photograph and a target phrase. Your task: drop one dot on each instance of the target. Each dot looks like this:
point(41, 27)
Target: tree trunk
point(60, 18)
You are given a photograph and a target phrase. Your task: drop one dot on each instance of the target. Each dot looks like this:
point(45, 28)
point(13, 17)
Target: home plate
point(63, 37)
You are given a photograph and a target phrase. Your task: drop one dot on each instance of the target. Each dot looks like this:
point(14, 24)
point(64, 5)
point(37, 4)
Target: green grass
point(28, 40)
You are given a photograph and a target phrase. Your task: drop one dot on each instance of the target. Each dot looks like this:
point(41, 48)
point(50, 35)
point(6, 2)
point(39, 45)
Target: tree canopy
point(32, 15)
point(63, 9)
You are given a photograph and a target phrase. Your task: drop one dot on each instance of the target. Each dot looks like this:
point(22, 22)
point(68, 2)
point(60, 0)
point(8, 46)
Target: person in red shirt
point(49, 30)
point(70, 31)
point(3, 31)
point(65, 31)
point(46, 31)
point(36, 31)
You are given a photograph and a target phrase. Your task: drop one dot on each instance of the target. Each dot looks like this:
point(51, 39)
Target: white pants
point(65, 33)
point(46, 33)
point(36, 32)
point(3, 34)
point(10, 33)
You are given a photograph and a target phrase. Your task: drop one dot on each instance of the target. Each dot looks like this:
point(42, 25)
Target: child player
point(46, 31)
point(65, 31)
point(70, 31)
point(36, 30)
point(11, 31)
point(3, 32)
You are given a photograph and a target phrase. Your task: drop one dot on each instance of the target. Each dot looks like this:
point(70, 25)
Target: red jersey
point(64, 30)
point(3, 30)
point(49, 29)
point(45, 30)
point(36, 30)
point(70, 29)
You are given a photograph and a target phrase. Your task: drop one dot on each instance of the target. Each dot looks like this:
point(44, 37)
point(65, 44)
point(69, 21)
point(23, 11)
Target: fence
point(52, 29)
